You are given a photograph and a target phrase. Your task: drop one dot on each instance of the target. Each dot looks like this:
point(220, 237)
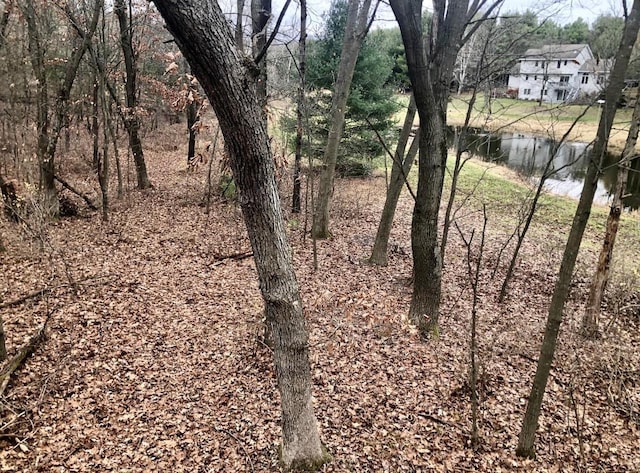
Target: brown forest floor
point(155, 364)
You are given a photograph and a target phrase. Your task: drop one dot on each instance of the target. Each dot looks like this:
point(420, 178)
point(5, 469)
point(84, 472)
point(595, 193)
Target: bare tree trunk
point(4, 21)
point(473, 273)
point(260, 14)
point(36, 52)
point(526, 439)
point(192, 118)
point(356, 29)
point(399, 171)
point(300, 107)
point(95, 131)
point(590, 327)
point(48, 139)
point(481, 76)
point(522, 228)
point(239, 22)
point(430, 71)
point(130, 116)
point(3, 343)
point(103, 166)
point(207, 42)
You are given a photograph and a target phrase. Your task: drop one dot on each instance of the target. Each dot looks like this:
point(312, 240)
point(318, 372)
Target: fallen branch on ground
point(233, 257)
point(72, 189)
point(45, 290)
point(24, 353)
point(437, 420)
point(32, 295)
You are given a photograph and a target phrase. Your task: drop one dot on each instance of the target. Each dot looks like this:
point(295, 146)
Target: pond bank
point(546, 121)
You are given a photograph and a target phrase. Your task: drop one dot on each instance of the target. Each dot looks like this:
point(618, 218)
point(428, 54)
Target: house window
point(527, 91)
point(536, 63)
point(559, 64)
point(585, 79)
point(599, 80)
point(535, 77)
point(565, 63)
point(545, 92)
point(526, 77)
point(564, 79)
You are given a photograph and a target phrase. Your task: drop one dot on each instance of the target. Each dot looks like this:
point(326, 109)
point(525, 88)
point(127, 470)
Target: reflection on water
point(529, 155)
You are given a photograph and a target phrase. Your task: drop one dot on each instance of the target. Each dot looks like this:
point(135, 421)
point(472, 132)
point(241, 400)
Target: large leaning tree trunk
point(356, 28)
point(431, 67)
point(402, 163)
point(590, 328)
point(130, 115)
point(204, 37)
point(561, 290)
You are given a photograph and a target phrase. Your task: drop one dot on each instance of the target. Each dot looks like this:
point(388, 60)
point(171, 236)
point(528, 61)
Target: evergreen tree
point(370, 103)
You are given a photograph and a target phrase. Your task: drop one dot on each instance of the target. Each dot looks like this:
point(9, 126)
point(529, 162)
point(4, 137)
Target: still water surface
point(528, 155)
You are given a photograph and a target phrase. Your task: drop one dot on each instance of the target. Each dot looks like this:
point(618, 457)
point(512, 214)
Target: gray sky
point(561, 11)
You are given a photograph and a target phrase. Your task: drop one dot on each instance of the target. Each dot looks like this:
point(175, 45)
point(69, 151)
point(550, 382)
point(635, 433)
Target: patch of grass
point(513, 109)
point(503, 192)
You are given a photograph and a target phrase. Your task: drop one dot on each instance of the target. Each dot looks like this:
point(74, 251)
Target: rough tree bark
point(239, 32)
point(590, 328)
point(131, 118)
point(402, 163)
point(430, 71)
point(561, 290)
point(260, 14)
point(4, 21)
point(300, 109)
point(205, 39)
point(355, 31)
point(193, 106)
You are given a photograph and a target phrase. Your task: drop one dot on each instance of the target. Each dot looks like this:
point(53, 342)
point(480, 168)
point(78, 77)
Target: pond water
point(528, 155)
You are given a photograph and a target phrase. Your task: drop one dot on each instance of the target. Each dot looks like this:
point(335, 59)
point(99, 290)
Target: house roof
point(555, 51)
point(595, 65)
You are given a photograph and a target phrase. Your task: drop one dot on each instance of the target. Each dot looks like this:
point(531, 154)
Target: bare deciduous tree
point(402, 162)
point(300, 107)
point(130, 116)
point(431, 67)
point(601, 277)
point(356, 28)
point(205, 39)
point(50, 127)
point(526, 440)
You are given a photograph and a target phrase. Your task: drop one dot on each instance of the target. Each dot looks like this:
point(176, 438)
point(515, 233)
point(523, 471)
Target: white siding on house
point(557, 73)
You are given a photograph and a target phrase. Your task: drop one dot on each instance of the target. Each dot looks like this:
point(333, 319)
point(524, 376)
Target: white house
point(558, 73)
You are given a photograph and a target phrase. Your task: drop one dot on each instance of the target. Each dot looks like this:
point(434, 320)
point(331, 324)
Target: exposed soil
point(153, 362)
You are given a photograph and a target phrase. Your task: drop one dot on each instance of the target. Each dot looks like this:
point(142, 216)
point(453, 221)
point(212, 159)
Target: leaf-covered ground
point(153, 362)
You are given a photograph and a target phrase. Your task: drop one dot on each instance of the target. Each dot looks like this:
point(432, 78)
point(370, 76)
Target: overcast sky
point(561, 11)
